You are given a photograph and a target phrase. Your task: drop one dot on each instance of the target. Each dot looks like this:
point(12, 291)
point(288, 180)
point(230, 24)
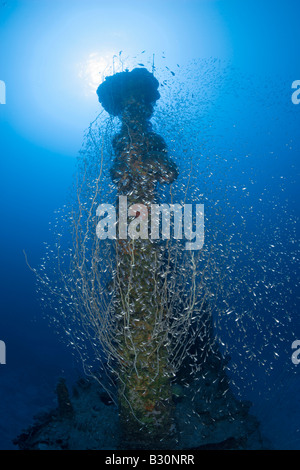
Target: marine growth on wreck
point(143, 314)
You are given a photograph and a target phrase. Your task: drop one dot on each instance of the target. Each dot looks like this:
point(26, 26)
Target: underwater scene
point(149, 226)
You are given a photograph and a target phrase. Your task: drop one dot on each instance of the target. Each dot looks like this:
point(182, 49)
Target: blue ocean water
point(234, 64)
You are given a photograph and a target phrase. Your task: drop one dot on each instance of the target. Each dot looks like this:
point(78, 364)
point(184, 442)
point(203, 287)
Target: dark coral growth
point(141, 157)
point(117, 91)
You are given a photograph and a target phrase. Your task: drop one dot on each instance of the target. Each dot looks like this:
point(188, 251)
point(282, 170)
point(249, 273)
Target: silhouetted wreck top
point(119, 89)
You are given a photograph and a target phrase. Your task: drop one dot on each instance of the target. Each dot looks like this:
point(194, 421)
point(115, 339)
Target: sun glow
point(96, 67)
